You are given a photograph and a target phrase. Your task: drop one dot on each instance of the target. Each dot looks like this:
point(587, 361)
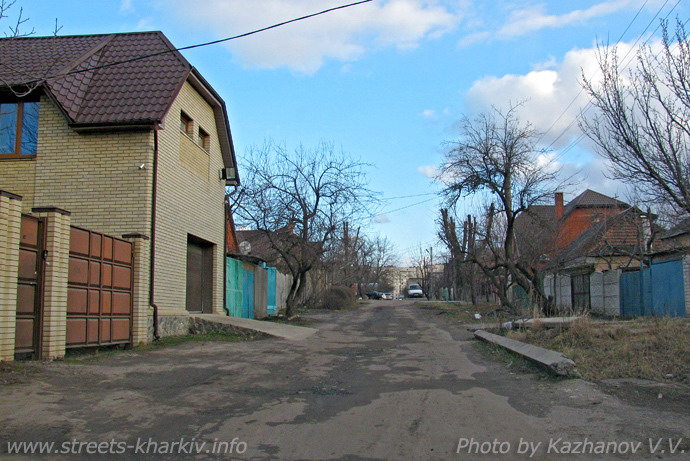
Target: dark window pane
point(29, 128)
point(8, 128)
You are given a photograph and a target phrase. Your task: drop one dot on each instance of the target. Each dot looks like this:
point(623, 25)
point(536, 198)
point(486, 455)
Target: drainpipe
point(226, 206)
point(152, 290)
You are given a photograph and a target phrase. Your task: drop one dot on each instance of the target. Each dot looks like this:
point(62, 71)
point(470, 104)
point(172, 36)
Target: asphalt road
point(385, 382)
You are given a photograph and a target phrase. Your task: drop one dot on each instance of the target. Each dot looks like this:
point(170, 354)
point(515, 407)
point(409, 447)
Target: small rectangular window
point(8, 128)
point(204, 140)
point(19, 129)
point(186, 124)
point(29, 142)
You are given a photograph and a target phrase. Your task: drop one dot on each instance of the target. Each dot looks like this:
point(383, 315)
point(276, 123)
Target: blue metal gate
point(272, 306)
point(248, 294)
point(658, 290)
point(234, 279)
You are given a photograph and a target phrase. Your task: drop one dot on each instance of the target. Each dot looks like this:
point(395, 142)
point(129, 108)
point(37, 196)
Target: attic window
point(186, 125)
point(18, 129)
point(204, 140)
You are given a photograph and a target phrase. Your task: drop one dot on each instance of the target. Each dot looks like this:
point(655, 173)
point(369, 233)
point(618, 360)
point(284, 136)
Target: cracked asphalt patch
point(386, 381)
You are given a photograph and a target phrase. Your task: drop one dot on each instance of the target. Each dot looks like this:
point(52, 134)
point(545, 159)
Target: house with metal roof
point(610, 258)
point(112, 138)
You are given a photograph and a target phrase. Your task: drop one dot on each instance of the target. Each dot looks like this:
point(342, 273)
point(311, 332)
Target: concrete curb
point(278, 330)
point(553, 361)
point(547, 322)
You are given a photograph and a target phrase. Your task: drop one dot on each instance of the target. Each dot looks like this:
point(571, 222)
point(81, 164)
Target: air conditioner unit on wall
point(229, 174)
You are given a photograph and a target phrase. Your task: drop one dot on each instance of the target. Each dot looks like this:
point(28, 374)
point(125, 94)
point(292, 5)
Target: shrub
point(337, 297)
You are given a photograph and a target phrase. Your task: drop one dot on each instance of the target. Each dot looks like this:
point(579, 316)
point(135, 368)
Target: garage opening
point(199, 275)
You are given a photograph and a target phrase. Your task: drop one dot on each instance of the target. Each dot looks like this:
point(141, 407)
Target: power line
point(596, 72)
point(199, 45)
point(409, 206)
point(589, 103)
point(409, 196)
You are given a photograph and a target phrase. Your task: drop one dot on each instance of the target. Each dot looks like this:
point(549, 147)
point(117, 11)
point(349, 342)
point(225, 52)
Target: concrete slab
point(553, 361)
point(547, 322)
point(279, 330)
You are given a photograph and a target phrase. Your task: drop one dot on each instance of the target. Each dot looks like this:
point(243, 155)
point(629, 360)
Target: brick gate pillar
point(141, 246)
point(10, 235)
point(55, 280)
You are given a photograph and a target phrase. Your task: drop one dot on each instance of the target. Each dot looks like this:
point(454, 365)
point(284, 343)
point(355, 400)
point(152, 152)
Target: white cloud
point(126, 6)
point(382, 219)
point(534, 18)
point(552, 97)
point(592, 175)
point(429, 171)
point(428, 114)
point(343, 35)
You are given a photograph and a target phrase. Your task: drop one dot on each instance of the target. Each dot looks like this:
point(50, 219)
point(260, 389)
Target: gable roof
point(679, 229)
point(613, 236)
point(592, 199)
point(98, 81)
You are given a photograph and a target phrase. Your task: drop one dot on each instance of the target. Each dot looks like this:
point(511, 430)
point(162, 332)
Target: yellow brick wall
point(54, 325)
point(95, 176)
point(190, 201)
point(10, 224)
point(140, 301)
point(18, 176)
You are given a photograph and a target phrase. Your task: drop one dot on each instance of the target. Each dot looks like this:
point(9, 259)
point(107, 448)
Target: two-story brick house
point(123, 136)
point(586, 243)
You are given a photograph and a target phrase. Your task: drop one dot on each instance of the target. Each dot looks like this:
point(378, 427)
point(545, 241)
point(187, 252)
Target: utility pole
point(431, 273)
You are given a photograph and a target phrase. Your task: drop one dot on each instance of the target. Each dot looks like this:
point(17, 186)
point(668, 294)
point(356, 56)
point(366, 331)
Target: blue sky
point(389, 80)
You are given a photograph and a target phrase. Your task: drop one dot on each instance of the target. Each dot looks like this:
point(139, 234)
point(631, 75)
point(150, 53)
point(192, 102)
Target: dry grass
point(649, 348)
point(465, 313)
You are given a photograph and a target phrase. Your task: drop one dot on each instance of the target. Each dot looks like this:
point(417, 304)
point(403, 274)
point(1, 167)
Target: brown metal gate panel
point(99, 296)
point(29, 296)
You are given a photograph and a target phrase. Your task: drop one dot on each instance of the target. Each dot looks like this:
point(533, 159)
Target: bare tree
point(355, 259)
point(424, 269)
point(378, 257)
point(463, 269)
point(497, 156)
point(23, 81)
point(642, 121)
point(299, 200)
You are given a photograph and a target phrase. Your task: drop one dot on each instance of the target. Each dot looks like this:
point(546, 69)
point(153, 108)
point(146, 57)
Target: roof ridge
point(71, 36)
point(86, 55)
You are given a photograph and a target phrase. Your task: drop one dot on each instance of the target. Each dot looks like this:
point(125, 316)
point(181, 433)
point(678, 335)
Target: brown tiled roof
point(681, 228)
point(613, 236)
point(592, 199)
point(96, 82)
point(137, 92)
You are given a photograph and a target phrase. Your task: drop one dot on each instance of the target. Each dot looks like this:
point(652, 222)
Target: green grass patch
point(656, 349)
point(296, 320)
point(88, 354)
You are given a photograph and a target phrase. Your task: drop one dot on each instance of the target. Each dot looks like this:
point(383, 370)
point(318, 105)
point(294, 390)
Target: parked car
point(373, 295)
point(414, 291)
point(386, 295)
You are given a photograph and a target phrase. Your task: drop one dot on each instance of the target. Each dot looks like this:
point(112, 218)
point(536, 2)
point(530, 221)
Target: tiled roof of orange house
point(87, 77)
point(592, 199)
point(613, 236)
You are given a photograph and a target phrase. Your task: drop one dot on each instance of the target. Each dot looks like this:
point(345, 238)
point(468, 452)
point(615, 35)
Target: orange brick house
point(589, 242)
point(115, 140)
